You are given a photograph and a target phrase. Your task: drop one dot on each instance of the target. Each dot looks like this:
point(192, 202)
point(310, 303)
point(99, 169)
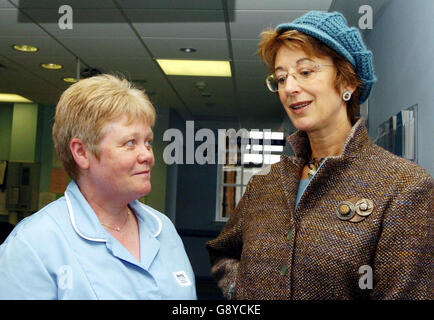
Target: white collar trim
point(72, 217)
point(160, 224)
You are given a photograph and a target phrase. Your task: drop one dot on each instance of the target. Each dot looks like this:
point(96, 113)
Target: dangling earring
point(346, 96)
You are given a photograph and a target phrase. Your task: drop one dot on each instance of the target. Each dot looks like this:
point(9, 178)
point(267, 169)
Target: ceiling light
point(24, 48)
point(200, 85)
point(12, 97)
point(51, 66)
point(70, 80)
point(195, 68)
point(188, 50)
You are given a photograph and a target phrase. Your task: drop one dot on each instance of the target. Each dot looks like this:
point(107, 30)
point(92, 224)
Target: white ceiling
point(126, 36)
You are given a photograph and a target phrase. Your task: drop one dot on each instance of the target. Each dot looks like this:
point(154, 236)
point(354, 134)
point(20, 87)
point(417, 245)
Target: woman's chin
point(303, 124)
point(139, 192)
point(145, 191)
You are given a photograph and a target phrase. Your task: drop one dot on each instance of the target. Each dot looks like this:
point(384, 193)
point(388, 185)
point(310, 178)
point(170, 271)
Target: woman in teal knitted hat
point(342, 218)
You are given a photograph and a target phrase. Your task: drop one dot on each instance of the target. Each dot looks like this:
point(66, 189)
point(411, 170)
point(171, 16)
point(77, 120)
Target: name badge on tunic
point(182, 278)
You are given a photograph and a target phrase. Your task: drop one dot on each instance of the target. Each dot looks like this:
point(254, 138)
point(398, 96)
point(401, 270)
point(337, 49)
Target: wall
point(157, 197)
point(23, 136)
point(401, 41)
point(19, 142)
point(46, 146)
point(6, 111)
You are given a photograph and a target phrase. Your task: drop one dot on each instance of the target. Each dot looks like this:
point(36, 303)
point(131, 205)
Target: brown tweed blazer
point(269, 250)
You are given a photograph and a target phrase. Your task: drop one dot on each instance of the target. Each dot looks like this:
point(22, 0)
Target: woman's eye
point(131, 143)
point(305, 72)
point(280, 79)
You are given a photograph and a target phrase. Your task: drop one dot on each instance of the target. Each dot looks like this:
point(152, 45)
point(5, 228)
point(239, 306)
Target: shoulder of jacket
point(268, 172)
point(394, 166)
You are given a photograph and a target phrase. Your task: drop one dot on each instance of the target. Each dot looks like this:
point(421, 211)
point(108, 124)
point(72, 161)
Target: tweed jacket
point(269, 249)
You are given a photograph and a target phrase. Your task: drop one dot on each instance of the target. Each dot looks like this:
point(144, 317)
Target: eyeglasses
point(304, 73)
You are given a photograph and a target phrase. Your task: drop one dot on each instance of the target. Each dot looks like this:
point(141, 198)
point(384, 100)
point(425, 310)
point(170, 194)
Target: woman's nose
point(145, 154)
point(291, 85)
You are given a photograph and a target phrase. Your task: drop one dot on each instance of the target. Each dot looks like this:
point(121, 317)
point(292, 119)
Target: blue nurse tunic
point(63, 252)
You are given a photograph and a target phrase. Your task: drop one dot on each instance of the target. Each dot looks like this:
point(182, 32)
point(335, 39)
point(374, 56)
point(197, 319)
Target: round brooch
point(364, 207)
point(345, 210)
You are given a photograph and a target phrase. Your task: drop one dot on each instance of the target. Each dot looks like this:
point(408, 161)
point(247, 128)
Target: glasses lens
point(271, 83)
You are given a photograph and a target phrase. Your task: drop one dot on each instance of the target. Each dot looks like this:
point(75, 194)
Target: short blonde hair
point(272, 40)
point(86, 107)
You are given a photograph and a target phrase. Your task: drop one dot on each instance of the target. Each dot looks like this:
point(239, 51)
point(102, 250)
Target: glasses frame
point(270, 77)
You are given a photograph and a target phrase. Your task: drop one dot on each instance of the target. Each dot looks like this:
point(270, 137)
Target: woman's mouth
point(145, 172)
point(299, 107)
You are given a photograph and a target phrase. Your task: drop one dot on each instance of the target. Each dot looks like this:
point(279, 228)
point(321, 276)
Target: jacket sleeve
point(23, 274)
point(403, 265)
point(225, 250)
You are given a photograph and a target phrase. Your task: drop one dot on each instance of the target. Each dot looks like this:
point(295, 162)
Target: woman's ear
point(80, 153)
point(350, 88)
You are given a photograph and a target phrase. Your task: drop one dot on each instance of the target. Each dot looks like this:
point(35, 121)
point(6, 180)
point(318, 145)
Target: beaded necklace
point(313, 166)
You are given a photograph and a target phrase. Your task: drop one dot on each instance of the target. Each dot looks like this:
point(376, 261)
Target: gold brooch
point(354, 209)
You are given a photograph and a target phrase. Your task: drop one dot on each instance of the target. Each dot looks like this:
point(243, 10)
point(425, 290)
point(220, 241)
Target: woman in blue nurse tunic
point(98, 241)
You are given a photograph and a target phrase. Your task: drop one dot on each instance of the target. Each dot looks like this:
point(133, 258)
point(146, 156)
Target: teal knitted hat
point(332, 29)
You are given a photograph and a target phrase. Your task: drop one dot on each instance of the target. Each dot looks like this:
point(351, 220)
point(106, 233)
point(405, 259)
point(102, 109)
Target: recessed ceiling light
point(70, 80)
point(24, 48)
point(12, 97)
point(201, 85)
point(51, 66)
point(188, 50)
point(195, 68)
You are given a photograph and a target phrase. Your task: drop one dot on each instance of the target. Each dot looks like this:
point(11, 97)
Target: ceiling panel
point(245, 49)
point(112, 47)
point(55, 4)
point(214, 85)
point(33, 64)
point(207, 49)
point(134, 67)
point(30, 86)
point(283, 4)
point(11, 27)
point(249, 24)
point(205, 24)
point(221, 95)
point(47, 46)
point(5, 4)
point(254, 84)
point(87, 23)
point(245, 68)
point(171, 4)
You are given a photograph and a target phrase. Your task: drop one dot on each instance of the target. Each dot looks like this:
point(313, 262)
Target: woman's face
point(125, 160)
point(325, 106)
